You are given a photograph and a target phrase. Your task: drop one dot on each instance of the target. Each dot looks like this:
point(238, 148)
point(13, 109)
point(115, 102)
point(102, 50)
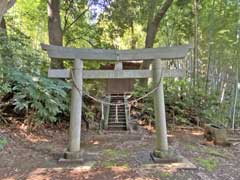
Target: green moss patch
point(110, 164)
point(115, 153)
point(209, 164)
point(3, 143)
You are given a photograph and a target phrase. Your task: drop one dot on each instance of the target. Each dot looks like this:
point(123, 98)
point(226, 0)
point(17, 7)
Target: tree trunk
point(154, 22)
point(3, 41)
point(54, 29)
point(210, 42)
point(5, 5)
point(3, 24)
point(195, 75)
point(3, 32)
point(133, 39)
point(152, 29)
point(235, 101)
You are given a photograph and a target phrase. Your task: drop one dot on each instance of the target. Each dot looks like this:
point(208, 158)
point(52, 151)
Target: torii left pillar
point(76, 112)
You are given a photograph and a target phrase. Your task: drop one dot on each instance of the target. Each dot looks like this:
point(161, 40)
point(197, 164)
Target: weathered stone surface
point(216, 134)
point(72, 155)
point(164, 156)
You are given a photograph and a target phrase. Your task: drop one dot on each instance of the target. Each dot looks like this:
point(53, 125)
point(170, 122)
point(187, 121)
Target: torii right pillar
point(161, 150)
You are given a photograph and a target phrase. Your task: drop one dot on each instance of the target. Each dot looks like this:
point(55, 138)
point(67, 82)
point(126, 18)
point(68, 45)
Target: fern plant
point(21, 74)
point(45, 97)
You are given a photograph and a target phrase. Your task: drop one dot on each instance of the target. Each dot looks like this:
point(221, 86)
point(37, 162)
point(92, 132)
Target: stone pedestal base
point(71, 157)
point(164, 156)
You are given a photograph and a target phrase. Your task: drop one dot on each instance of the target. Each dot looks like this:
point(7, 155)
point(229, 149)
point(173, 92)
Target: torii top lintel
point(59, 52)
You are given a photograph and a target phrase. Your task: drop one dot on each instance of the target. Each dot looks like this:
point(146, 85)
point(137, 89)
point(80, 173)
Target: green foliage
point(194, 101)
point(186, 101)
point(3, 143)
point(17, 52)
point(122, 24)
point(21, 75)
point(209, 164)
point(139, 91)
point(45, 97)
point(30, 18)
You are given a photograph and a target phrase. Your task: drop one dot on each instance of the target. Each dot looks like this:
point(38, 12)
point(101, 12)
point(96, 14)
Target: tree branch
point(152, 29)
point(5, 5)
point(77, 38)
point(67, 14)
point(161, 13)
point(154, 23)
point(10, 4)
point(75, 20)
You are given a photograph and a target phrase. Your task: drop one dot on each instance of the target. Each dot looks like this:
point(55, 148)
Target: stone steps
point(120, 123)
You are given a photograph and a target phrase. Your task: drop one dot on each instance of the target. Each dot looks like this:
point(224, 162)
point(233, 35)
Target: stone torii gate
point(79, 55)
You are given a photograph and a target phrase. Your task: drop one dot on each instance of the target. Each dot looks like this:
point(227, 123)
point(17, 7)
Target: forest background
point(209, 94)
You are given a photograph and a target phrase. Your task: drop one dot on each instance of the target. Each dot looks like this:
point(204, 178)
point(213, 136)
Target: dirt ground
point(110, 156)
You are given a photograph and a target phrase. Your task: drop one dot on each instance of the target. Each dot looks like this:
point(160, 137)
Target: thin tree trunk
point(3, 29)
point(211, 31)
point(237, 66)
point(235, 101)
point(133, 39)
point(3, 24)
point(3, 33)
point(223, 92)
point(54, 29)
point(3, 41)
point(196, 43)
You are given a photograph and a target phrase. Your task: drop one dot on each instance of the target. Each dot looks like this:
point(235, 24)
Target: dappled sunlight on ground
point(109, 156)
point(119, 169)
point(94, 142)
point(39, 173)
point(197, 133)
point(9, 178)
point(81, 173)
point(34, 139)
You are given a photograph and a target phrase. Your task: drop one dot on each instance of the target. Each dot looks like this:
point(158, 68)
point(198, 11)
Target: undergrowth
point(209, 164)
point(185, 104)
point(25, 90)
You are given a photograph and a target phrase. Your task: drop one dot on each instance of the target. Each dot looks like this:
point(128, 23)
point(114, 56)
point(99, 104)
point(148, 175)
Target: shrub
point(186, 101)
point(44, 97)
point(22, 70)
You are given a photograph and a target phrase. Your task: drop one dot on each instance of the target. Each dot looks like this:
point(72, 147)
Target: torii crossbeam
point(79, 55)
